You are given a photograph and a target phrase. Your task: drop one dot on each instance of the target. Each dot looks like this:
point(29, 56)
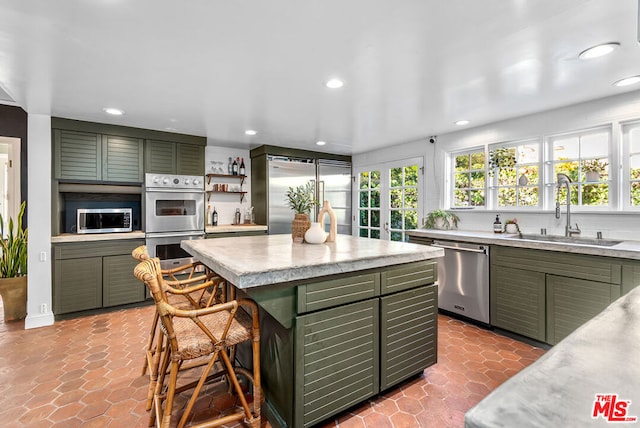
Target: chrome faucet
point(563, 179)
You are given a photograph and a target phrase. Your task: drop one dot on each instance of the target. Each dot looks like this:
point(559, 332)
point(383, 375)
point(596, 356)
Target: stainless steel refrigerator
point(331, 180)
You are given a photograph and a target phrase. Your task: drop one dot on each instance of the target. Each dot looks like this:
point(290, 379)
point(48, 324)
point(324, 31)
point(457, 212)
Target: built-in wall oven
point(174, 211)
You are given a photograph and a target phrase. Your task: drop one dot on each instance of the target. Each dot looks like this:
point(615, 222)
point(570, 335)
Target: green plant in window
point(435, 218)
point(594, 165)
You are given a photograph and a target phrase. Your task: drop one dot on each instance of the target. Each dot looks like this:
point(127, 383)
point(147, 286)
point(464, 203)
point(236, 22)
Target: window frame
point(625, 179)
point(550, 175)
point(452, 177)
point(493, 187)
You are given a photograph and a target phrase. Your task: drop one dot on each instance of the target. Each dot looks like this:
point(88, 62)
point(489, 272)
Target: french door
point(388, 199)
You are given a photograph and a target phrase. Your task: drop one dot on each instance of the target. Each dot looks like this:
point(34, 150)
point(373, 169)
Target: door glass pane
point(368, 198)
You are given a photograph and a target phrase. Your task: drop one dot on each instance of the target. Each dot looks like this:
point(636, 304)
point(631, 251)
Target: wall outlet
point(43, 308)
point(43, 256)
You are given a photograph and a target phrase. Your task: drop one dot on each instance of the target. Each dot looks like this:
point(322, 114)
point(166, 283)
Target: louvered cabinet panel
point(408, 276)
point(160, 157)
point(337, 360)
point(571, 302)
point(334, 292)
point(77, 155)
point(630, 275)
point(518, 301)
point(119, 286)
point(190, 159)
point(408, 334)
point(78, 285)
point(122, 159)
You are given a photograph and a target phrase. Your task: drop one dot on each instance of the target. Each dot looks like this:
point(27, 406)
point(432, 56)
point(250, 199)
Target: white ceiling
point(217, 67)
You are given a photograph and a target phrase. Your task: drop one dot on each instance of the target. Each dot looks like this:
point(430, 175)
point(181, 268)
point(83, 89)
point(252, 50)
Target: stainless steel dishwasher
point(463, 279)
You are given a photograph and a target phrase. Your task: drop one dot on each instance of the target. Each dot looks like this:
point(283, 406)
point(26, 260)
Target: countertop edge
point(625, 250)
point(95, 237)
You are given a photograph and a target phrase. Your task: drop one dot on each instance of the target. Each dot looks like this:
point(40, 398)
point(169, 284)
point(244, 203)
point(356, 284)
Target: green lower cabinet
point(518, 301)
point(336, 364)
point(572, 302)
point(119, 286)
point(93, 275)
point(78, 285)
point(408, 334)
point(630, 275)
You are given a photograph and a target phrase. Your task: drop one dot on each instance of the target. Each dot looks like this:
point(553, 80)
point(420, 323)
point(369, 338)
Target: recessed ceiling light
point(250, 132)
point(462, 122)
point(628, 81)
point(334, 83)
point(321, 143)
point(113, 111)
point(598, 50)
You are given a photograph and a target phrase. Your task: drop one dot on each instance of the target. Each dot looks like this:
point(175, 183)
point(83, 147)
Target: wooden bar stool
point(187, 288)
point(206, 333)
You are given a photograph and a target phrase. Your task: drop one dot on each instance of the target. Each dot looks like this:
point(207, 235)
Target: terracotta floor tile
point(86, 372)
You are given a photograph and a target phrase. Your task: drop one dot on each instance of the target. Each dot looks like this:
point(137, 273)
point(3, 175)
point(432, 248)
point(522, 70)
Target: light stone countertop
point(92, 237)
point(252, 261)
point(625, 250)
point(559, 390)
point(223, 228)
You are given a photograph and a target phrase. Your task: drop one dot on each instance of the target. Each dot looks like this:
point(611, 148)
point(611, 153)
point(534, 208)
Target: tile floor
point(86, 372)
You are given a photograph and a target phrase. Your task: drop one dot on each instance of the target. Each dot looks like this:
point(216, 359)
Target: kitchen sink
point(569, 240)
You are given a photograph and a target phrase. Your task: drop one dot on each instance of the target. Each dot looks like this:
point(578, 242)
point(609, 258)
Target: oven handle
point(169, 190)
point(173, 234)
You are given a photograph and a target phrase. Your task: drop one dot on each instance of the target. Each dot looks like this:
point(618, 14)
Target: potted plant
point(593, 168)
point(13, 268)
point(511, 226)
point(501, 157)
point(441, 219)
point(301, 200)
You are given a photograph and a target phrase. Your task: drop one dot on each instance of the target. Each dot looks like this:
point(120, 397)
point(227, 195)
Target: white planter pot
point(315, 234)
point(512, 228)
point(593, 176)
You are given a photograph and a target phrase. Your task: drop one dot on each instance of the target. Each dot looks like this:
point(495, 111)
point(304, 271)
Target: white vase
point(512, 228)
point(315, 234)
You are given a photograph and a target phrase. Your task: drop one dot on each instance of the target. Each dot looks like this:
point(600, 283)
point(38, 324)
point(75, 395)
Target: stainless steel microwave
point(104, 220)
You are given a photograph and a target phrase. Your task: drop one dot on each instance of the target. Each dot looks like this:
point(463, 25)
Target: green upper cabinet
point(164, 157)
point(77, 155)
point(87, 156)
point(122, 159)
point(190, 159)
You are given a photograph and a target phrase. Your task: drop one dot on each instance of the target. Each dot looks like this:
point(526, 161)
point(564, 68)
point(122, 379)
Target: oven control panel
point(168, 181)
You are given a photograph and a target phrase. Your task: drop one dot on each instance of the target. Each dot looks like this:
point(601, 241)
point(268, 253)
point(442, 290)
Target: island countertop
point(253, 261)
point(561, 388)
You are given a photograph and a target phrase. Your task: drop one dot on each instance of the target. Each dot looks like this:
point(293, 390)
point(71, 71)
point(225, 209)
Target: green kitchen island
point(340, 321)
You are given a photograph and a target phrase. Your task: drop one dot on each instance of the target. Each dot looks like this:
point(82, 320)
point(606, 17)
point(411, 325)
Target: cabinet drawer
point(335, 292)
point(408, 276)
point(587, 267)
point(95, 249)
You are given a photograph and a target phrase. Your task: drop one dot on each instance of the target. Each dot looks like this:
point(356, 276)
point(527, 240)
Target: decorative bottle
point(234, 168)
point(230, 166)
point(214, 217)
point(242, 168)
point(497, 226)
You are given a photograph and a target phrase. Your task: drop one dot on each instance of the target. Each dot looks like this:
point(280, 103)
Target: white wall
point(607, 111)
point(39, 297)
point(226, 204)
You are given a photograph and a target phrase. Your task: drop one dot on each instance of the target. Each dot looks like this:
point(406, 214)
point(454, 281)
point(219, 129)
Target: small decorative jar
point(315, 234)
point(512, 228)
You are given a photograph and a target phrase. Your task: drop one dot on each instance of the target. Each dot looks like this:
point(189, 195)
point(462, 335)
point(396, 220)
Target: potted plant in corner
point(441, 219)
point(593, 168)
point(300, 199)
point(13, 268)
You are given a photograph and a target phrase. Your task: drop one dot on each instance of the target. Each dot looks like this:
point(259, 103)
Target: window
point(389, 199)
point(469, 179)
point(517, 183)
point(584, 158)
point(369, 204)
point(403, 191)
point(631, 165)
